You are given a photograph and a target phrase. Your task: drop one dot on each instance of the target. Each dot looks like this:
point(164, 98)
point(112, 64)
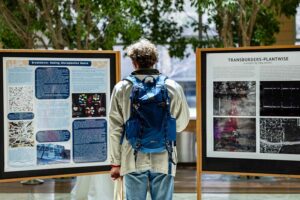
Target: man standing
point(143, 169)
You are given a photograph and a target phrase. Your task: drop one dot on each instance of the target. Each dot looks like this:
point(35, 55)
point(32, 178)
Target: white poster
point(253, 105)
point(55, 112)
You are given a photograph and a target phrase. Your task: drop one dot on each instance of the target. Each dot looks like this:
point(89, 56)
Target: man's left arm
point(180, 109)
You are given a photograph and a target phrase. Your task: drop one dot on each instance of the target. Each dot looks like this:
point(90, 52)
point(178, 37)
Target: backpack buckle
point(136, 105)
point(169, 147)
point(138, 146)
point(149, 80)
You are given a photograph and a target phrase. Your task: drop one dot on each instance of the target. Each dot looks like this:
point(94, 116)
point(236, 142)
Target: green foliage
point(94, 24)
point(8, 38)
point(265, 26)
point(153, 20)
point(285, 7)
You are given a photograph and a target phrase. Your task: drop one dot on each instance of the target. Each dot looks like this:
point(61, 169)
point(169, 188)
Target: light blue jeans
point(161, 185)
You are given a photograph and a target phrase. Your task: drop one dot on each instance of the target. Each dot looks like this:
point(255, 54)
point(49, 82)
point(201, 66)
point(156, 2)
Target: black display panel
point(250, 119)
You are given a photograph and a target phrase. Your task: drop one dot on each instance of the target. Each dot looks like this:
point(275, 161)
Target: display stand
point(199, 125)
point(262, 70)
point(54, 107)
point(33, 182)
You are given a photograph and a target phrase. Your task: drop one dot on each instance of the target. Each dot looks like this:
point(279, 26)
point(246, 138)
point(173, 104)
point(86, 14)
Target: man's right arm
point(115, 131)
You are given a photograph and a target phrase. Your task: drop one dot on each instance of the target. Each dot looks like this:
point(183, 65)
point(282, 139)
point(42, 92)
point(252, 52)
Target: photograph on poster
point(20, 99)
point(280, 135)
point(89, 105)
point(280, 98)
point(21, 134)
point(234, 98)
point(234, 134)
point(52, 154)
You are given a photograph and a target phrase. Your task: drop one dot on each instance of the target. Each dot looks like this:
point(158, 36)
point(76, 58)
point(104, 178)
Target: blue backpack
point(150, 127)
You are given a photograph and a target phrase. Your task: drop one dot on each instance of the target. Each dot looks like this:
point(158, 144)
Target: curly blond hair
point(144, 53)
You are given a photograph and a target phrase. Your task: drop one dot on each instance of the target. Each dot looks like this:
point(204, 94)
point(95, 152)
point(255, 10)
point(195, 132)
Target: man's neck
point(146, 71)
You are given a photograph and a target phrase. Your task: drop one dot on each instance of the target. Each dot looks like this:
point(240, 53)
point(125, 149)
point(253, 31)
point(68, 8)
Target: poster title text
point(258, 59)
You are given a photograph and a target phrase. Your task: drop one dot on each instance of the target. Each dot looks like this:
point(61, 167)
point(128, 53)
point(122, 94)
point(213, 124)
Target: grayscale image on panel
point(280, 135)
point(234, 98)
point(280, 98)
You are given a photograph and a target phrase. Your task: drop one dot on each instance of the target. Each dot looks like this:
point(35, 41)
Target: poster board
point(249, 111)
point(54, 112)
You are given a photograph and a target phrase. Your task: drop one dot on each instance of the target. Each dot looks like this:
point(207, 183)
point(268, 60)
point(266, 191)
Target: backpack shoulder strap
point(160, 80)
point(134, 81)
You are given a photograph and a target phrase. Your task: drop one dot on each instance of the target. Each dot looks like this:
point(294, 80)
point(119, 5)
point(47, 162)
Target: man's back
point(121, 103)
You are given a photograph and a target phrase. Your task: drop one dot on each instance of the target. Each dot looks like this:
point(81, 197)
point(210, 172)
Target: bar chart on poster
point(55, 111)
point(250, 107)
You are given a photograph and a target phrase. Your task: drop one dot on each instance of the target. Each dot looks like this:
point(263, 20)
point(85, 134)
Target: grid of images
point(234, 123)
point(278, 100)
point(233, 99)
point(89, 105)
